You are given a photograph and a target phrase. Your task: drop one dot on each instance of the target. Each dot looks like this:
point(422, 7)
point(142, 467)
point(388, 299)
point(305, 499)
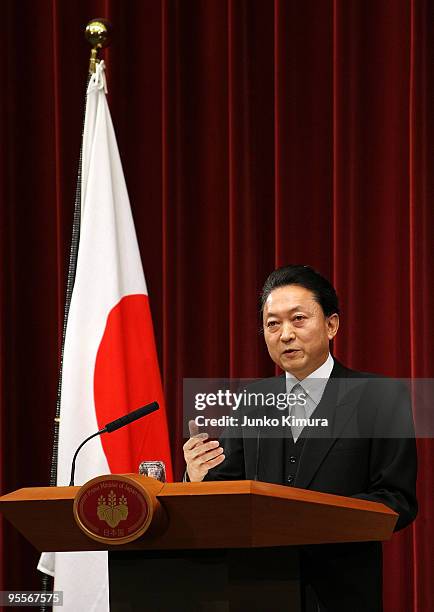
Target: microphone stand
point(98, 433)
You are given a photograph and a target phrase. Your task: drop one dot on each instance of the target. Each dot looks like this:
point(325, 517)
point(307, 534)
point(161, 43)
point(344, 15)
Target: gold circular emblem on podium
point(114, 509)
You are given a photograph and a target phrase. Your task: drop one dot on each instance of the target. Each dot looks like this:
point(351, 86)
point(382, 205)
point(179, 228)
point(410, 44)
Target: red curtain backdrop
point(253, 134)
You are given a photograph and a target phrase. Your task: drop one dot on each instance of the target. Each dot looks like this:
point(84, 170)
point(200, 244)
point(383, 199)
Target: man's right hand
point(200, 455)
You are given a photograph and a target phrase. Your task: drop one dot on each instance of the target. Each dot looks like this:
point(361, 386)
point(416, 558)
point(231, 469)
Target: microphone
point(130, 417)
point(113, 426)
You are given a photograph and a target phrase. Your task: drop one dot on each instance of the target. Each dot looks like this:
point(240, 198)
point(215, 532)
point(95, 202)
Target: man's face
point(297, 332)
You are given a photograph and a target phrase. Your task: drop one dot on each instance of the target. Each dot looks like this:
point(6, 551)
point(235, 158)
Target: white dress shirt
point(313, 385)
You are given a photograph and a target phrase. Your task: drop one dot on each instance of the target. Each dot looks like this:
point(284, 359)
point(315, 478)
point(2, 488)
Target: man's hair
point(307, 277)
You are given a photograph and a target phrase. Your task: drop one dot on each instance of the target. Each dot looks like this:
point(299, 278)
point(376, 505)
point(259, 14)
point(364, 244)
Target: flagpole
point(98, 34)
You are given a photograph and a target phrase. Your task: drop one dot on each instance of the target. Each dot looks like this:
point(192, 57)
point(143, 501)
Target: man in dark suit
point(366, 450)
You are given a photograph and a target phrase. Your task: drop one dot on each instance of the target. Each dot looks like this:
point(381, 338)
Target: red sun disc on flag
point(127, 377)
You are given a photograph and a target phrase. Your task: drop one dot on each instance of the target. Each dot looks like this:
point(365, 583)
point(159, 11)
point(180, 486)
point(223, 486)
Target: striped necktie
point(298, 411)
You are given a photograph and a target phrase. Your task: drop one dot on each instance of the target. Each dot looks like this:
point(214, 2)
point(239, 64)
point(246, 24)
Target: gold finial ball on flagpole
point(98, 33)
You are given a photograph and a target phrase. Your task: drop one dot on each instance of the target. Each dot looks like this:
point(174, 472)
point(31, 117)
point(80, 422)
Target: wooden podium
point(216, 546)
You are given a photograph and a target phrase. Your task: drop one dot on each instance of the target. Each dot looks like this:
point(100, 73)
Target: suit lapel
point(335, 407)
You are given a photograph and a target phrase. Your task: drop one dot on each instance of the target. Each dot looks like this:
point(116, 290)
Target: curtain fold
point(252, 134)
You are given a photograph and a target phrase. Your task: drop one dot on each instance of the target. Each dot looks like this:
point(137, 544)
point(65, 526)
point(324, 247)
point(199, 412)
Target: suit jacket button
point(290, 479)
point(292, 459)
